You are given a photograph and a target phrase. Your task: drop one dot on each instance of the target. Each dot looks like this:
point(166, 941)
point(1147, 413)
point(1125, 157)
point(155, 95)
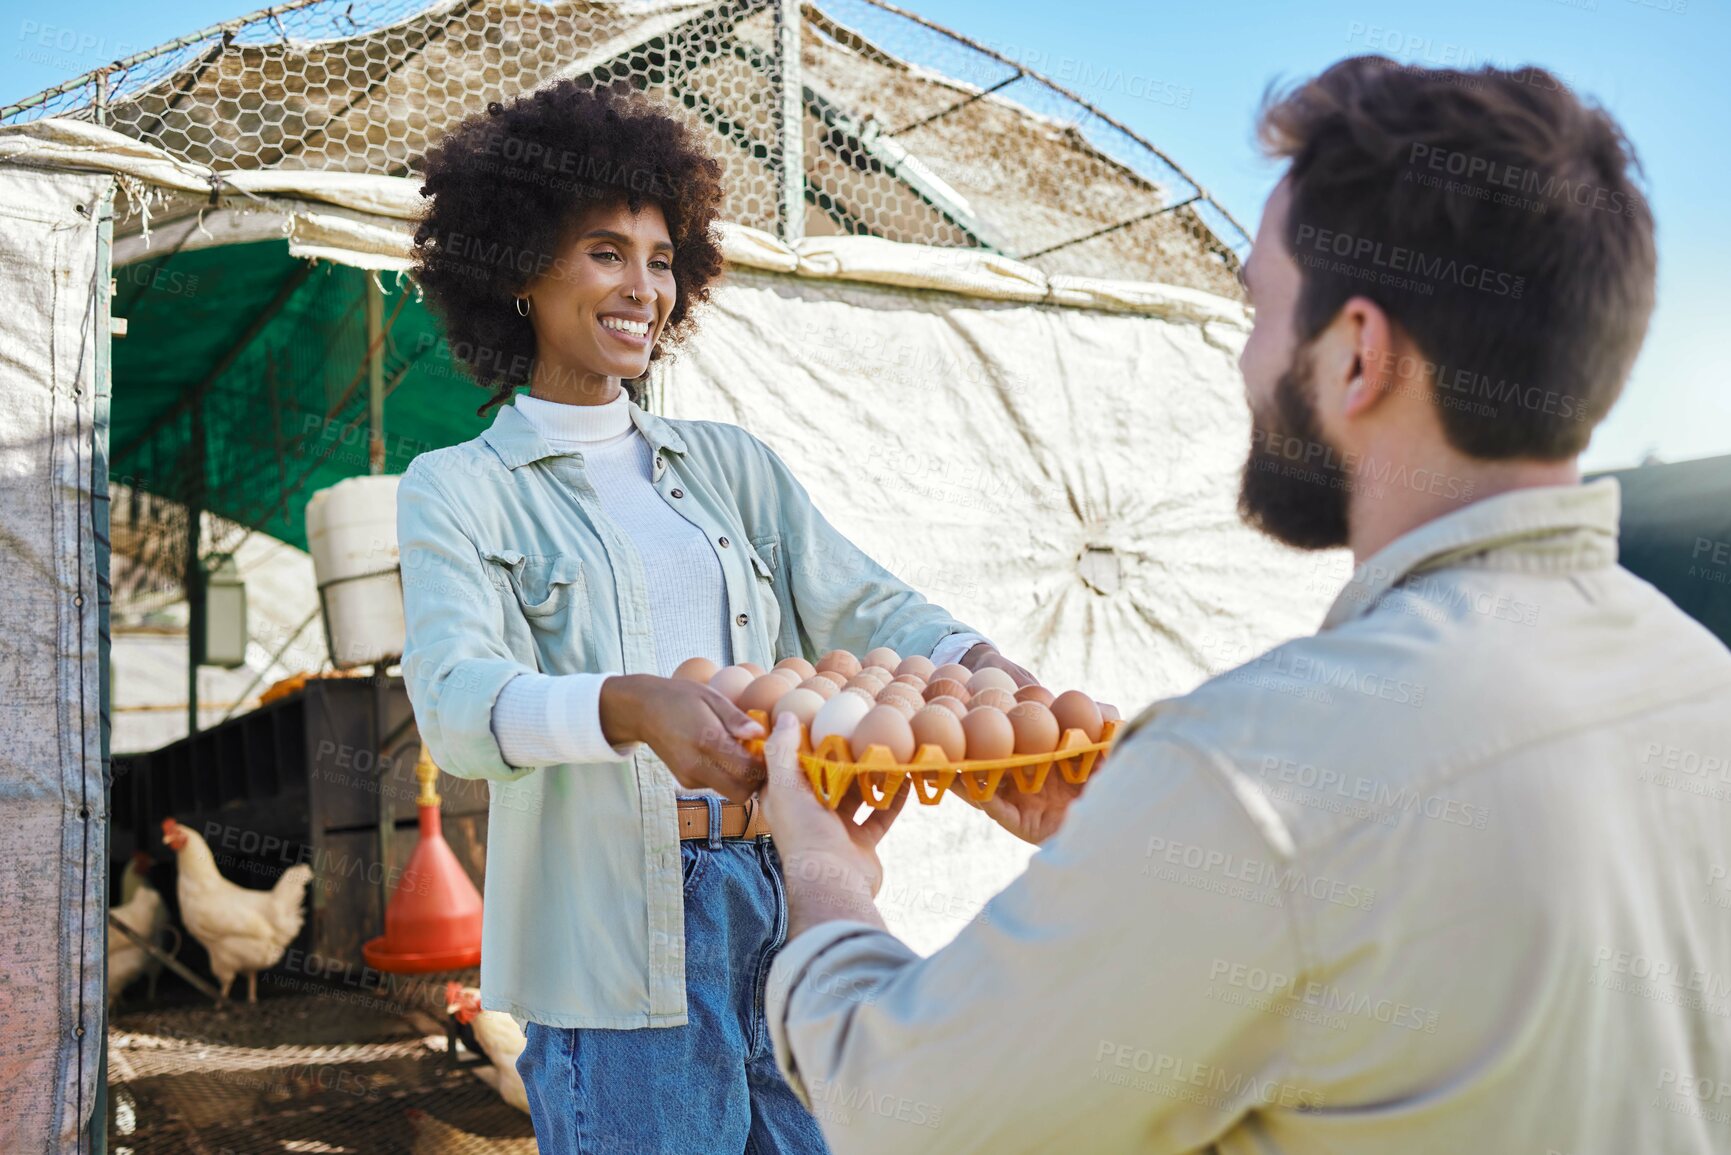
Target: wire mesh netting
point(908, 131)
point(342, 1071)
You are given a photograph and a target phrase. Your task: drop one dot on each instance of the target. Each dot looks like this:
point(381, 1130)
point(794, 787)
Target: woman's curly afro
point(503, 188)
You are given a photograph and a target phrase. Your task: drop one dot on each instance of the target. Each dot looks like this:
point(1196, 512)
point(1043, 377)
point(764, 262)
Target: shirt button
point(742, 619)
point(723, 543)
point(679, 493)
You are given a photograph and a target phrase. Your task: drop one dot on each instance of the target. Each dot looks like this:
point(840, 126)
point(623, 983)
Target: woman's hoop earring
point(522, 306)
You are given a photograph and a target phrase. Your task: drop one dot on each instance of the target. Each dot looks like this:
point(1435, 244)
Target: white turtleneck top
point(546, 719)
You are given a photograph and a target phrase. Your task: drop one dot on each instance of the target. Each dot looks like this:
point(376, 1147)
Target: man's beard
point(1294, 487)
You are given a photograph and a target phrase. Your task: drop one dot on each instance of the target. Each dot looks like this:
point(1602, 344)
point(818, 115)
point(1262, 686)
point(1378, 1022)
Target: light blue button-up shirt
point(510, 566)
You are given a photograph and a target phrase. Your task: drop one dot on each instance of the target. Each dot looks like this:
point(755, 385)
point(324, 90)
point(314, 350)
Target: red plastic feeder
point(433, 921)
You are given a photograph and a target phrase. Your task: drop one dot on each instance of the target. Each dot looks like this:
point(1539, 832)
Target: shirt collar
point(517, 442)
point(1555, 527)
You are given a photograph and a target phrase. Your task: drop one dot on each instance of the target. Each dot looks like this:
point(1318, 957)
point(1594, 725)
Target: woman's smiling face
point(588, 328)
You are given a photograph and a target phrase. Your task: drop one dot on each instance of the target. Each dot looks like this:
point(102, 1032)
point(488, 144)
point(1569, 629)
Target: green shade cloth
point(287, 416)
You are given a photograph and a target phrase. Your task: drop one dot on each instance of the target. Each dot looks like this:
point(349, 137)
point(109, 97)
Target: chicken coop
point(992, 328)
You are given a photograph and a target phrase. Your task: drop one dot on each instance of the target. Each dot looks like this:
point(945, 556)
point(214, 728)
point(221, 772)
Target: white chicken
point(245, 931)
point(143, 911)
point(500, 1038)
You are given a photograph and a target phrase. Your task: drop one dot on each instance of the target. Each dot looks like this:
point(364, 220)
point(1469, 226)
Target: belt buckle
point(750, 805)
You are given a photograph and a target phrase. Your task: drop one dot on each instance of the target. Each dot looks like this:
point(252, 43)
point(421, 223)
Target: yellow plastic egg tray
point(881, 777)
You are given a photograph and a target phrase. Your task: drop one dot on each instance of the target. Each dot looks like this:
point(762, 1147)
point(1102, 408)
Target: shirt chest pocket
point(770, 588)
point(551, 590)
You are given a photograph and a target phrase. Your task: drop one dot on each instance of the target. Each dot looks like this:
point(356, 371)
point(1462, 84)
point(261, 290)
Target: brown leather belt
point(738, 819)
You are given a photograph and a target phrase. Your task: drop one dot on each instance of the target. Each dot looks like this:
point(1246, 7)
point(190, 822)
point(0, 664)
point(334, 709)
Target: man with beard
point(1431, 880)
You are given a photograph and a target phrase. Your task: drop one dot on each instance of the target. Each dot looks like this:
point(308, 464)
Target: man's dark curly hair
point(505, 187)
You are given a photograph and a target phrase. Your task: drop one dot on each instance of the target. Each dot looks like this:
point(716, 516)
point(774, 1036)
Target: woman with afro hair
point(558, 569)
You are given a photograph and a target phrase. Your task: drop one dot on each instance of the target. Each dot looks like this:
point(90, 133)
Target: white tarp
point(1062, 479)
point(1053, 458)
point(53, 895)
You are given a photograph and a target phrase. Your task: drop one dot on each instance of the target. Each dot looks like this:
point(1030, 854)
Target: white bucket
point(352, 536)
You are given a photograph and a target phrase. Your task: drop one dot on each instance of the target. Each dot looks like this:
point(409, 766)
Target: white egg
point(840, 715)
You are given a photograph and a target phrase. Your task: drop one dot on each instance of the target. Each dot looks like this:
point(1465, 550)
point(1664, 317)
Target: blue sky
point(1189, 78)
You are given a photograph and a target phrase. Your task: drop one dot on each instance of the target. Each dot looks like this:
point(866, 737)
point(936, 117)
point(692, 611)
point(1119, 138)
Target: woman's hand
point(692, 727)
point(985, 654)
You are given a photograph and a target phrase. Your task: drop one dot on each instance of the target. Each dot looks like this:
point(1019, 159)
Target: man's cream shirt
point(1449, 876)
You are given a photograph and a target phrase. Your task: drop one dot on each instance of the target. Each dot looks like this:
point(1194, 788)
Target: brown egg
point(898, 692)
point(1109, 712)
point(906, 705)
point(991, 677)
point(1035, 694)
point(954, 705)
point(884, 658)
point(995, 698)
point(841, 662)
point(901, 706)
point(862, 682)
point(732, 682)
point(919, 667)
point(884, 726)
point(835, 676)
point(764, 693)
point(936, 726)
point(914, 680)
point(788, 674)
point(989, 734)
point(954, 670)
point(863, 693)
point(802, 704)
point(696, 670)
point(757, 671)
point(948, 688)
point(803, 667)
point(1075, 710)
point(821, 686)
point(1036, 729)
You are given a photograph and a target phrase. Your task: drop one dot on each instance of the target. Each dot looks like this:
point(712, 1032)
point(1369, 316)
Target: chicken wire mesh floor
point(341, 1072)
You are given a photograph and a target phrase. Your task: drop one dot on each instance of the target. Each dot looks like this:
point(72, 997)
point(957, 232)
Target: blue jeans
point(710, 1087)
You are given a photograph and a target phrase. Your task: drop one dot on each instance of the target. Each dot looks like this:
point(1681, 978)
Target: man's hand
point(1031, 817)
point(985, 654)
point(829, 859)
point(692, 727)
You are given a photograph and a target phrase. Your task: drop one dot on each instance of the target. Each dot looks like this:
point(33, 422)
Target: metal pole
point(195, 623)
point(165, 958)
point(375, 375)
point(790, 122)
point(387, 805)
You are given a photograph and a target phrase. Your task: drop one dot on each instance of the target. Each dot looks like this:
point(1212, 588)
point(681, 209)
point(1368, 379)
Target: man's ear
point(1368, 338)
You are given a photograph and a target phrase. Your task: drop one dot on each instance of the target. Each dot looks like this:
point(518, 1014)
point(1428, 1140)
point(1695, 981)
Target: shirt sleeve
point(952, 647)
point(1114, 997)
point(455, 661)
point(551, 719)
point(843, 599)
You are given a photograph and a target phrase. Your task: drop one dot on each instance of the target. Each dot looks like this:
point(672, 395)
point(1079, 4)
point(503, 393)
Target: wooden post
point(790, 122)
point(375, 374)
